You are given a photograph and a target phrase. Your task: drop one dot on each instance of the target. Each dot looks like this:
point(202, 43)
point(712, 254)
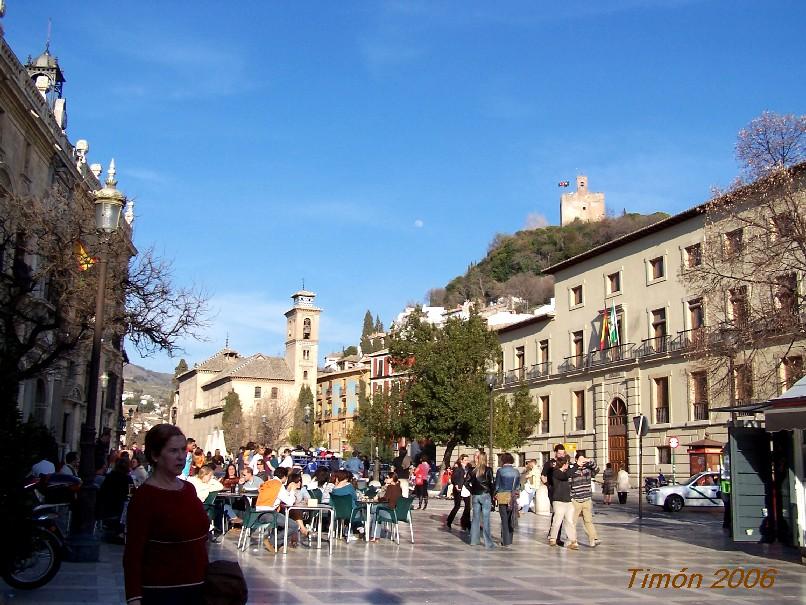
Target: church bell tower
point(302, 339)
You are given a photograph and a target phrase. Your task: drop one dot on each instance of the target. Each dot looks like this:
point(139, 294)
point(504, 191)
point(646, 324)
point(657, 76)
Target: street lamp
point(307, 419)
point(491, 379)
point(263, 420)
point(108, 205)
point(565, 419)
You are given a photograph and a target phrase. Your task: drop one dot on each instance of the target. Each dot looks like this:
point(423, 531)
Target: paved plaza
point(442, 568)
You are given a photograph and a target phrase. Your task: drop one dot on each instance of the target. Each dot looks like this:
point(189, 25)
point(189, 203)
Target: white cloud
point(419, 223)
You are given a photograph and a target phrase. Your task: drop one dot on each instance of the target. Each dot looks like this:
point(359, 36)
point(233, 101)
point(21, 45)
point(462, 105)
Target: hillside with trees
point(514, 263)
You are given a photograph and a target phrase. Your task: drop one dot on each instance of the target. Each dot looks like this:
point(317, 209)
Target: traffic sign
point(674, 442)
point(641, 425)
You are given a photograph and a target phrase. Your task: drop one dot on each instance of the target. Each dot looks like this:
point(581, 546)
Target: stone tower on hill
point(581, 204)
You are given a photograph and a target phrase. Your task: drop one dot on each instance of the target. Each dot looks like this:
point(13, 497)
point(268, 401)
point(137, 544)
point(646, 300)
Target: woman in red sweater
point(165, 559)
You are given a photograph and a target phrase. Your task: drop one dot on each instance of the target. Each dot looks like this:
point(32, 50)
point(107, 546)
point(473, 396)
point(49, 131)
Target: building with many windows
point(39, 165)
point(337, 400)
point(630, 336)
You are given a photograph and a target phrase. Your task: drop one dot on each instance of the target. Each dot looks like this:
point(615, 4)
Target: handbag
point(503, 498)
point(465, 493)
point(224, 584)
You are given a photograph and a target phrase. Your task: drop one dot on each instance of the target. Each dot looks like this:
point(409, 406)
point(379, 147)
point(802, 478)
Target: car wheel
point(674, 503)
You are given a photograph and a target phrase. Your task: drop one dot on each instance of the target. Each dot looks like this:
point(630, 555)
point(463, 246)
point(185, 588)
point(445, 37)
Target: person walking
point(421, 474)
point(165, 557)
point(507, 484)
point(482, 490)
point(461, 494)
point(582, 473)
point(622, 485)
point(608, 483)
point(563, 507)
point(546, 477)
point(530, 481)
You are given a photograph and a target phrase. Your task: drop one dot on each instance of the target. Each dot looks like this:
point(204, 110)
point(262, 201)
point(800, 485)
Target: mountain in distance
point(141, 380)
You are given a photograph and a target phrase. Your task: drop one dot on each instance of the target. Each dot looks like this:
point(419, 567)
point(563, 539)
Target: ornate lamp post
point(491, 380)
point(565, 419)
point(108, 205)
point(307, 419)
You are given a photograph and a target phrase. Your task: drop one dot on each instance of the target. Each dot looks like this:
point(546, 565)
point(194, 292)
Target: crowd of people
point(161, 497)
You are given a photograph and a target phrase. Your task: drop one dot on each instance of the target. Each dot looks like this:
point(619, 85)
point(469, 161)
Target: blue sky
point(375, 148)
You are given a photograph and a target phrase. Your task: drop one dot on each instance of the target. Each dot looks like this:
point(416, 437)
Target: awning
point(787, 411)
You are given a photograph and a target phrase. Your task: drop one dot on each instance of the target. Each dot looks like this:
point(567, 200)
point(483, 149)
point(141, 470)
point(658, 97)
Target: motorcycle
point(653, 482)
point(37, 564)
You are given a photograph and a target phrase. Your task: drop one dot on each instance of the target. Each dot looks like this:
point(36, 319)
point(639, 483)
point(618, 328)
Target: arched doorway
point(617, 434)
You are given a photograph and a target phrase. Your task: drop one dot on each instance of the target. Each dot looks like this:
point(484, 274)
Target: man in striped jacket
point(582, 473)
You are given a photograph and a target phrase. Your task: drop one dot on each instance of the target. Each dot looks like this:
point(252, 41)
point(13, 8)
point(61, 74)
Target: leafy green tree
point(232, 420)
point(368, 328)
point(378, 324)
point(301, 428)
point(351, 350)
point(514, 419)
point(446, 395)
point(381, 418)
point(295, 437)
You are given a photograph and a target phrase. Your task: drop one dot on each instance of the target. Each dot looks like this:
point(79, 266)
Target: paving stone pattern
point(442, 568)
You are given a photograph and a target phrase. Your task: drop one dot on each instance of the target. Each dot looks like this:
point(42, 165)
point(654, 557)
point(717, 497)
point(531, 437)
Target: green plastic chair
point(343, 511)
point(400, 514)
point(316, 517)
point(256, 520)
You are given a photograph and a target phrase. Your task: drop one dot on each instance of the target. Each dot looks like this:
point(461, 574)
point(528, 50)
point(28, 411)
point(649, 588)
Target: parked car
point(700, 490)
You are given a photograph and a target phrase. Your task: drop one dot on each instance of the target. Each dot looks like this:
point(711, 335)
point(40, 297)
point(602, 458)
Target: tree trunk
point(449, 447)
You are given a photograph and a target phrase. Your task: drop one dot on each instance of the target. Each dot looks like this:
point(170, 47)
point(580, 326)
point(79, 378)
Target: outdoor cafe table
point(367, 519)
point(230, 497)
point(320, 508)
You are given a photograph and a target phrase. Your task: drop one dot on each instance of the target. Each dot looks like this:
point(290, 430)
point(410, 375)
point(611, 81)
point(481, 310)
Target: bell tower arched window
point(306, 329)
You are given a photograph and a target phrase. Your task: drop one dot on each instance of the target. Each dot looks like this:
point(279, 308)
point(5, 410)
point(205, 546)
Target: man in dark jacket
point(546, 476)
point(458, 482)
point(563, 508)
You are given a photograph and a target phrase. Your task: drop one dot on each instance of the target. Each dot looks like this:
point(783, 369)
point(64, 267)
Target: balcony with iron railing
point(573, 363)
point(544, 426)
point(579, 423)
point(539, 370)
point(513, 376)
point(700, 410)
point(611, 355)
point(654, 346)
point(661, 415)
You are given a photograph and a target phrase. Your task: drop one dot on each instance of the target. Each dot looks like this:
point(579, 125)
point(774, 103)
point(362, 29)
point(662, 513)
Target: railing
point(651, 346)
point(544, 427)
point(515, 375)
point(574, 362)
point(540, 370)
point(688, 340)
point(661, 415)
point(610, 355)
point(579, 423)
point(700, 410)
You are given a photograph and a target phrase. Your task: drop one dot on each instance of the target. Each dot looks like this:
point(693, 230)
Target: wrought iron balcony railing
point(700, 410)
point(579, 423)
point(661, 415)
point(619, 353)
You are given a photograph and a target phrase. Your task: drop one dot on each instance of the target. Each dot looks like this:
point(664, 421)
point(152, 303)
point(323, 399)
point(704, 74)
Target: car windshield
point(692, 479)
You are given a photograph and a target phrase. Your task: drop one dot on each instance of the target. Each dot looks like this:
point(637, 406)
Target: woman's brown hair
point(157, 437)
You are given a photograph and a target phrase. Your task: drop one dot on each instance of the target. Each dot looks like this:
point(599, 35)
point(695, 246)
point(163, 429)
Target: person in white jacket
point(622, 485)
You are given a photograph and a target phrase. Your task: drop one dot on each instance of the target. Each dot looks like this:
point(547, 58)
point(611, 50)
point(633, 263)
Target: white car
point(700, 490)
